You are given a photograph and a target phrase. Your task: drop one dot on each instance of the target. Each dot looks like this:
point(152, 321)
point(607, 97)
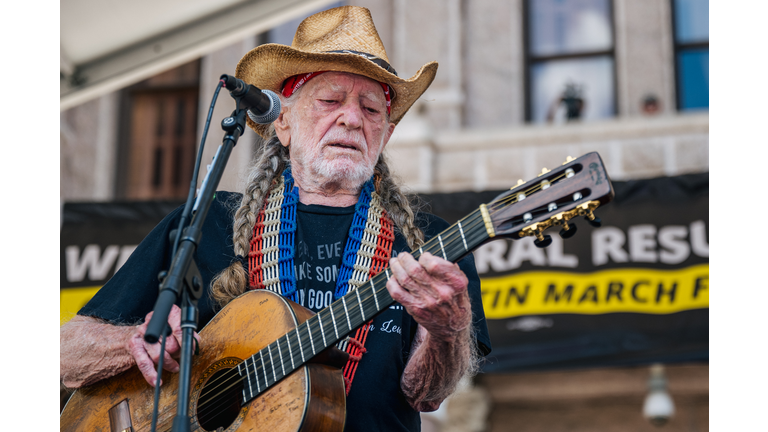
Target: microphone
point(263, 105)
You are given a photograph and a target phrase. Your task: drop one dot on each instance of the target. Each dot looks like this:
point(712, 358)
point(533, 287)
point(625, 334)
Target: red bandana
point(293, 83)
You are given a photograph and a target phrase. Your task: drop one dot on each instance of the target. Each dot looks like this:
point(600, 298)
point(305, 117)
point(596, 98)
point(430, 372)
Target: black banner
point(96, 239)
point(633, 291)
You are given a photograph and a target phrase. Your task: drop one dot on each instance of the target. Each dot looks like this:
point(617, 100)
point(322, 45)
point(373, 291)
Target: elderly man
point(320, 174)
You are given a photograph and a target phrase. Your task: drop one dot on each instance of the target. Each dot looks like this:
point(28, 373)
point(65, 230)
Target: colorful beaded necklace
point(366, 253)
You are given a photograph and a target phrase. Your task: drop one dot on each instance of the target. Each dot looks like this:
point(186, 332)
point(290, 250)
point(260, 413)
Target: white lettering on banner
point(674, 247)
point(699, 242)
point(491, 255)
point(125, 253)
point(525, 250)
point(642, 244)
point(93, 263)
point(607, 242)
point(671, 244)
point(555, 255)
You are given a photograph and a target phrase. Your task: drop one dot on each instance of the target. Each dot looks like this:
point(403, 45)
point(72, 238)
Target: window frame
point(677, 48)
point(530, 60)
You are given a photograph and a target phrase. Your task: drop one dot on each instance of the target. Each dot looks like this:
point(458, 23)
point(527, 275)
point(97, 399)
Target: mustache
point(344, 136)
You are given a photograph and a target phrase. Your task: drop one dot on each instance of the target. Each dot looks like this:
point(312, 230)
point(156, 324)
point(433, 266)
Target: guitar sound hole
point(219, 402)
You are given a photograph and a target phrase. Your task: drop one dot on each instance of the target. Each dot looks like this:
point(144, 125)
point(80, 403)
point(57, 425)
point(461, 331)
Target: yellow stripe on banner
point(72, 299)
point(640, 290)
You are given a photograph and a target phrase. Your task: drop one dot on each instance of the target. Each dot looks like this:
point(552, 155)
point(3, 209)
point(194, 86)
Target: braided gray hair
point(271, 160)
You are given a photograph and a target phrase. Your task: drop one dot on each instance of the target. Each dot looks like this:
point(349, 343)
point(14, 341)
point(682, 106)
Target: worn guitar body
point(310, 398)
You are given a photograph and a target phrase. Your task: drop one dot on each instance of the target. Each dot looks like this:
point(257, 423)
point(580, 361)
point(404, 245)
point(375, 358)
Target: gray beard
point(350, 178)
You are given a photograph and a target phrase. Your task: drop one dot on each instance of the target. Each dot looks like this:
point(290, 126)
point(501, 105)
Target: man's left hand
point(433, 291)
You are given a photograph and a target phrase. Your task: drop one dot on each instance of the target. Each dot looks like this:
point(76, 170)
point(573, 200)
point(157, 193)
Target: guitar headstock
point(556, 196)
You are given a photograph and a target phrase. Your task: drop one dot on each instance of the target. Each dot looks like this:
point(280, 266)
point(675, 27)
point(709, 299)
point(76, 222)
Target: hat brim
point(268, 66)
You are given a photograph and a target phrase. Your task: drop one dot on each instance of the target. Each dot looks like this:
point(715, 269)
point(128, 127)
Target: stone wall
point(88, 148)
point(495, 158)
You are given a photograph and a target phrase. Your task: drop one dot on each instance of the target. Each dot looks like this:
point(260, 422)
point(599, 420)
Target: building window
point(569, 60)
point(691, 28)
point(160, 140)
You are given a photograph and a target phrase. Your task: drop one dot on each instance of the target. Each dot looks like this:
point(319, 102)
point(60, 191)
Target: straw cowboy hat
point(342, 39)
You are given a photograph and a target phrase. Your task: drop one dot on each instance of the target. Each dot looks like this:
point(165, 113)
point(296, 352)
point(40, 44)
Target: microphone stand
point(183, 278)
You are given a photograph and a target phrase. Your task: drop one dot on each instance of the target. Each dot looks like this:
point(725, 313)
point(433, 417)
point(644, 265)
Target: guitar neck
point(333, 323)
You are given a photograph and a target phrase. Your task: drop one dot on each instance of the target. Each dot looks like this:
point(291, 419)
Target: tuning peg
point(568, 159)
point(568, 230)
point(542, 241)
point(593, 220)
point(543, 171)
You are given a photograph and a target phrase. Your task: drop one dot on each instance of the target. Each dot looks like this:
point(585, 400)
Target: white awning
point(108, 44)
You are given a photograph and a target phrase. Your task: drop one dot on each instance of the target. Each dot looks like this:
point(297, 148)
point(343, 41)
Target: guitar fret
point(290, 348)
point(333, 318)
point(264, 369)
point(322, 330)
point(271, 362)
point(462, 237)
point(301, 347)
point(346, 312)
point(441, 246)
point(280, 352)
point(360, 303)
point(373, 290)
point(311, 342)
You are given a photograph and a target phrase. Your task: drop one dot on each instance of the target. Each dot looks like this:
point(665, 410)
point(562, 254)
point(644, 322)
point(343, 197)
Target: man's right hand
point(92, 350)
point(147, 355)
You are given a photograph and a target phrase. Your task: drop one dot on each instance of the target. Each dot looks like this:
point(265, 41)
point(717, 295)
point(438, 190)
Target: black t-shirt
point(375, 401)
point(321, 234)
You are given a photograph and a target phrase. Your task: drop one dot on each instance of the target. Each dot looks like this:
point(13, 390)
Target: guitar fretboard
point(292, 350)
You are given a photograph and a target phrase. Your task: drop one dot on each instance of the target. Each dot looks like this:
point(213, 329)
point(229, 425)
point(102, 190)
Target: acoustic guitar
point(258, 367)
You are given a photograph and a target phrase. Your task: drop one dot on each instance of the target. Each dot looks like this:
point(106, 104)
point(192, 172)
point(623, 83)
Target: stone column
point(494, 63)
point(223, 61)
point(644, 55)
point(88, 135)
point(431, 30)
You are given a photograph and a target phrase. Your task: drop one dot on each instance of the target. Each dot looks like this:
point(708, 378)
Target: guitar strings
point(452, 239)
